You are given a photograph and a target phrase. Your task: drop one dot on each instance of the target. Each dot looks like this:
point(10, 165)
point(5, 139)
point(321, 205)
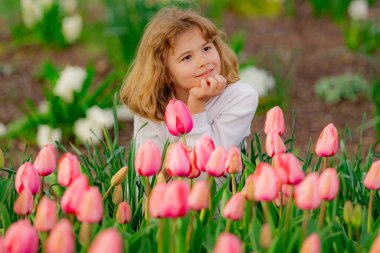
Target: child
point(182, 55)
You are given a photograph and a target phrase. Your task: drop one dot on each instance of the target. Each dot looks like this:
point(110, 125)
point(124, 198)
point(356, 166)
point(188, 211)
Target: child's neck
point(182, 95)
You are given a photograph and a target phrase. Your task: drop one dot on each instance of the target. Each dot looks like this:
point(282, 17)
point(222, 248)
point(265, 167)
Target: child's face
point(193, 58)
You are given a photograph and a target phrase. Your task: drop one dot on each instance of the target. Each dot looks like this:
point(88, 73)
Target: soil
point(317, 44)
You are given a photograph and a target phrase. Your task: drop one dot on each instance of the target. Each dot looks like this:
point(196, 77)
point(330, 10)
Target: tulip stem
point(266, 211)
point(147, 191)
point(108, 192)
point(174, 241)
point(280, 213)
point(322, 215)
point(358, 240)
point(233, 181)
point(228, 225)
point(189, 232)
point(324, 162)
point(160, 236)
point(288, 208)
point(254, 246)
point(42, 187)
point(209, 181)
point(305, 223)
point(184, 139)
point(370, 211)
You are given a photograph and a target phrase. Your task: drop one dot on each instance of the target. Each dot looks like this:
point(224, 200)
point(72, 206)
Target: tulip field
point(270, 200)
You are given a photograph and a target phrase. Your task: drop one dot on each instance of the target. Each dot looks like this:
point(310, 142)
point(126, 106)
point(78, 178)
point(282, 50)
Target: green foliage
point(375, 97)
point(344, 87)
point(363, 36)
point(337, 9)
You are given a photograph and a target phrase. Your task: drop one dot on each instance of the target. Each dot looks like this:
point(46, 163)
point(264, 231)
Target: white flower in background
point(31, 12)
point(70, 80)
point(99, 117)
point(43, 107)
point(358, 9)
point(71, 28)
point(47, 135)
point(259, 79)
point(3, 129)
point(86, 131)
point(69, 6)
point(124, 113)
point(45, 4)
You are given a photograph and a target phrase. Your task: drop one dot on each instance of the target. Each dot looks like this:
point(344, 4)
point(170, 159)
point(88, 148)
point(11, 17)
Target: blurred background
point(62, 63)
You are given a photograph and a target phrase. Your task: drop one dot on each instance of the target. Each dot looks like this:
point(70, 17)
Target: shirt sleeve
point(145, 129)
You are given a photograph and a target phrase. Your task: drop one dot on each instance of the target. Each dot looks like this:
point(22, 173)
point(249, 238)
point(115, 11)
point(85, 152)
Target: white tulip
point(358, 9)
point(70, 80)
point(47, 135)
point(31, 12)
point(258, 79)
point(45, 4)
point(86, 131)
point(43, 107)
point(69, 6)
point(71, 28)
point(100, 117)
point(3, 129)
point(124, 113)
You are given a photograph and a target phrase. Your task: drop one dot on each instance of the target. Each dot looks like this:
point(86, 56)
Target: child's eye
point(206, 48)
point(186, 58)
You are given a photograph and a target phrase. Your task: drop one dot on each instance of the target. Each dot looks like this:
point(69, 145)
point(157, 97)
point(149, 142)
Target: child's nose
point(202, 61)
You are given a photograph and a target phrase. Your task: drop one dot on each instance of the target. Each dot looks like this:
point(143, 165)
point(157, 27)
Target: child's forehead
point(187, 35)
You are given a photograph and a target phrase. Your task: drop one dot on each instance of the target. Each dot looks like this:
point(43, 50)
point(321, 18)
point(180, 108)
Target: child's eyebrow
point(188, 52)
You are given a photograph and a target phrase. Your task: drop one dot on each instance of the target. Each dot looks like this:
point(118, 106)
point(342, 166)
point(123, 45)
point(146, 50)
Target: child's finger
point(203, 83)
point(213, 82)
point(221, 80)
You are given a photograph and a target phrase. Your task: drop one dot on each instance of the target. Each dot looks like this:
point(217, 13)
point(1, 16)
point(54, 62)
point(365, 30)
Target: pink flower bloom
point(2, 245)
point(194, 173)
point(91, 206)
point(24, 203)
point(123, 213)
point(274, 144)
point(68, 169)
point(174, 203)
point(372, 179)
point(266, 183)
point(61, 238)
point(288, 168)
point(155, 200)
point(148, 159)
point(375, 248)
point(227, 242)
point(202, 151)
point(198, 197)
point(328, 184)
point(177, 117)
point(275, 121)
point(21, 237)
point(46, 161)
point(312, 244)
point(177, 161)
point(216, 162)
point(27, 177)
point(234, 208)
point(109, 240)
point(249, 188)
point(72, 197)
point(46, 215)
point(306, 193)
point(233, 163)
point(327, 144)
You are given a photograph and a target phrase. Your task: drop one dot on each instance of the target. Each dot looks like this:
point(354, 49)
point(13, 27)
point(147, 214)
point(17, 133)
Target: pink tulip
point(24, 203)
point(202, 151)
point(375, 248)
point(274, 144)
point(46, 161)
point(312, 244)
point(372, 179)
point(306, 193)
point(177, 161)
point(2, 245)
point(155, 200)
point(278, 201)
point(227, 242)
point(266, 183)
point(249, 187)
point(328, 184)
point(327, 144)
point(198, 197)
point(68, 169)
point(72, 197)
point(21, 237)
point(174, 203)
point(233, 163)
point(215, 165)
point(148, 159)
point(61, 238)
point(177, 117)
point(109, 240)
point(194, 173)
point(27, 177)
point(288, 168)
point(234, 208)
point(46, 215)
point(123, 213)
point(275, 121)
point(91, 206)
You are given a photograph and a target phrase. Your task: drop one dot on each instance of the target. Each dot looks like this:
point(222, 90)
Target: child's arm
point(152, 130)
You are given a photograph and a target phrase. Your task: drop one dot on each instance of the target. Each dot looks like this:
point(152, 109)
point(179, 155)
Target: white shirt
point(227, 120)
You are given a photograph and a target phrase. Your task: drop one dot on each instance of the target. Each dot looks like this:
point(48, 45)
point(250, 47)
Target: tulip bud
point(234, 208)
point(2, 244)
point(123, 213)
point(177, 118)
point(288, 168)
point(233, 161)
point(91, 207)
point(312, 244)
point(148, 159)
point(306, 193)
point(72, 197)
point(357, 217)
point(117, 195)
point(46, 215)
point(275, 121)
point(21, 236)
point(248, 189)
point(27, 178)
point(274, 144)
point(174, 203)
point(327, 144)
point(155, 200)
point(68, 169)
point(328, 184)
point(202, 151)
point(24, 203)
point(194, 173)
point(61, 238)
point(119, 177)
point(198, 197)
point(177, 161)
point(348, 212)
point(266, 183)
point(375, 248)
point(227, 242)
point(216, 162)
point(46, 160)
point(109, 240)
point(265, 236)
point(372, 179)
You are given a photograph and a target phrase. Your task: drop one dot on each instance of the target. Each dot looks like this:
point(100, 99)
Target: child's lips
point(206, 73)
